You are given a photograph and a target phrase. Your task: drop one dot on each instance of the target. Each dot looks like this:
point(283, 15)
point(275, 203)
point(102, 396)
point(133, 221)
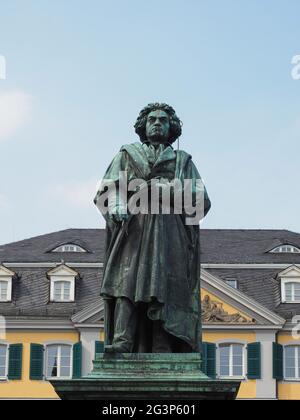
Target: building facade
point(52, 318)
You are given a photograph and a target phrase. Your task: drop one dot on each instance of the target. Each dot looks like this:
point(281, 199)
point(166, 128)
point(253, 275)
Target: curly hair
point(175, 123)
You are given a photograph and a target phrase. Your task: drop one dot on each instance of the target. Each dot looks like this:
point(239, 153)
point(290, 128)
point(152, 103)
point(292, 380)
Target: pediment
point(62, 270)
point(222, 304)
point(292, 271)
point(5, 272)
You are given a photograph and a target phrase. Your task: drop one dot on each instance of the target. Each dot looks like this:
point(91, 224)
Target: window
point(58, 361)
point(232, 283)
point(4, 291)
point(292, 362)
point(3, 361)
point(292, 292)
point(231, 360)
point(6, 279)
point(285, 249)
point(69, 248)
point(62, 283)
point(62, 291)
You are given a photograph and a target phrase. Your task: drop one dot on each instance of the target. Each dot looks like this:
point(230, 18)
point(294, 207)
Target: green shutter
point(15, 361)
point(36, 362)
point(77, 360)
point(254, 361)
point(99, 347)
point(277, 361)
point(209, 359)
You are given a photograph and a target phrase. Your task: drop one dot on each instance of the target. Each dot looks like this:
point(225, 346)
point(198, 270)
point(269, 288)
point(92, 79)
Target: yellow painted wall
point(230, 309)
point(247, 388)
point(288, 390)
point(26, 388)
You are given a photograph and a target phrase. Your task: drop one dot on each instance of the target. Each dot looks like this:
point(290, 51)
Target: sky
point(78, 72)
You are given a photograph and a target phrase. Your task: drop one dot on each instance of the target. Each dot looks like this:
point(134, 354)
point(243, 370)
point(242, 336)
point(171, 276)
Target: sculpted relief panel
point(213, 311)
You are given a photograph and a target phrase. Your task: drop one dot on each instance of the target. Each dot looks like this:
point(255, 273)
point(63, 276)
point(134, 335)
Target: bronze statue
point(151, 280)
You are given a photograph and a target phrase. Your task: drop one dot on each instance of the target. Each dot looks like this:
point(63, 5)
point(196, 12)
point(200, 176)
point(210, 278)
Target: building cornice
point(81, 327)
point(38, 324)
point(270, 266)
point(240, 327)
point(51, 265)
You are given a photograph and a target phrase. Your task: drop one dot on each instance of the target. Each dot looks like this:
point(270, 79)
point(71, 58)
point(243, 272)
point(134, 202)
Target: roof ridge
point(51, 233)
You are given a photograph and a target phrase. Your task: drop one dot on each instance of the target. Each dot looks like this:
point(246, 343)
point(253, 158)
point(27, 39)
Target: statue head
point(158, 123)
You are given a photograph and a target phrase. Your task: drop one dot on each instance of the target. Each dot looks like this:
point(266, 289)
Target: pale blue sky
point(78, 73)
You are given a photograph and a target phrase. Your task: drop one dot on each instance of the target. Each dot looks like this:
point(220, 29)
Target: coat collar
point(139, 157)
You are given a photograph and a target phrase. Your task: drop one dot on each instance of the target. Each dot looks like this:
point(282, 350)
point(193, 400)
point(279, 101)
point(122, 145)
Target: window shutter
point(99, 347)
point(15, 361)
point(277, 361)
point(77, 360)
point(36, 362)
point(209, 359)
point(254, 361)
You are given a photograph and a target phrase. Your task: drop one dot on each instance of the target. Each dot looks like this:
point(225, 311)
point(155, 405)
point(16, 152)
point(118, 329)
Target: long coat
point(155, 258)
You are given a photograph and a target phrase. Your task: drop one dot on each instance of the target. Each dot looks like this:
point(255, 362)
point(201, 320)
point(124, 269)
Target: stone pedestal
point(144, 376)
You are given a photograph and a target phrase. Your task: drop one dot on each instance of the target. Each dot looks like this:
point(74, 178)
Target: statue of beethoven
point(151, 279)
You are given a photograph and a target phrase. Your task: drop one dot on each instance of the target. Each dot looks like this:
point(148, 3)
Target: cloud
point(15, 108)
point(79, 194)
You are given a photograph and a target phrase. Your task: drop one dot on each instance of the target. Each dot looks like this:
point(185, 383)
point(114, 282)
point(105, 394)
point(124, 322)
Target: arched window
point(69, 248)
point(231, 360)
point(287, 249)
point(292, 362)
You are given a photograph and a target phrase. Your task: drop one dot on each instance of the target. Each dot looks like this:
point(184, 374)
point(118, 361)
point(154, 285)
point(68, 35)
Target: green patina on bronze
point(151, 286)
point(152, 268)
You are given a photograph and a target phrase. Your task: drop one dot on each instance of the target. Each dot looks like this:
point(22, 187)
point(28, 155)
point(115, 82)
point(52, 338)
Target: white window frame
point(77, 248)
point(4, 378)
point(58, 362)
point(284, 282)
point(231, 343)
point(8, 280)
point(67, 279)
point(282, 249)
point(297, 353)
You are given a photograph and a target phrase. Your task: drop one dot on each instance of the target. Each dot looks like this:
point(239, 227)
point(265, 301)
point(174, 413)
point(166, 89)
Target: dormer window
point(292, 292)
point(290, 285)
point(6, 277)
point(62, 284)
point(4, 295)
point(69, 248)
point(286, 249)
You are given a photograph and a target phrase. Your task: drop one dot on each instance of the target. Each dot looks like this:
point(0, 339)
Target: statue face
point(158, 127)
